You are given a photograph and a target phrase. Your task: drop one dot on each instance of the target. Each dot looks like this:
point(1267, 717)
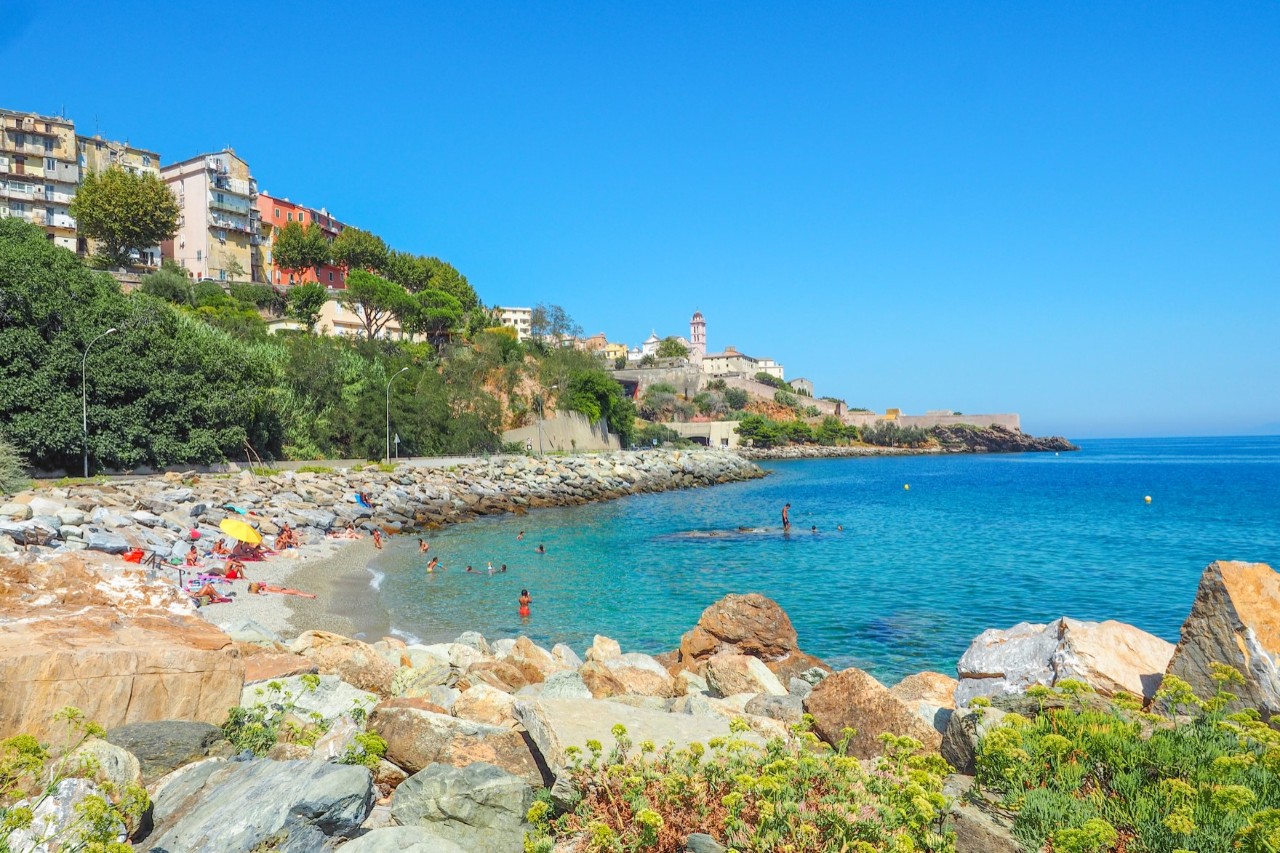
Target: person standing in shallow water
point(786, 518)
point(525, 601)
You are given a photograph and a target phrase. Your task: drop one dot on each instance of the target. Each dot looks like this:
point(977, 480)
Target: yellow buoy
point(906, 487)
point(1147, 499)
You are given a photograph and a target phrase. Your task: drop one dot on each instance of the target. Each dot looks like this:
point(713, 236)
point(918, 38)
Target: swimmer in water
point(434, 564)
point(503, 569)
point(423, 546)
point(813, 529)
point(541, 549)
point(525, 601)
point(473, 571)
point(491, 567)
point(520, 536)
point(840, 527)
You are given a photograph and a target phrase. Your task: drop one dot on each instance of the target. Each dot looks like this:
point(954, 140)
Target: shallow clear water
point(977, 542)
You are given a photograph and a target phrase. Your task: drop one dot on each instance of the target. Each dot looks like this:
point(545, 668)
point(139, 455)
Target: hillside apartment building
point(39, 173)
point(275, 213)
point(520, 319)
point(218, 223)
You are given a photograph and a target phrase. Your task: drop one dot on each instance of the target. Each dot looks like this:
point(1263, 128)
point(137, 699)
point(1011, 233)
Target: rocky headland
point(958, 439)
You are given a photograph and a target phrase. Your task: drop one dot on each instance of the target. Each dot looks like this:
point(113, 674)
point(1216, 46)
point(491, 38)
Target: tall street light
point(389, 381)
point(84, 396)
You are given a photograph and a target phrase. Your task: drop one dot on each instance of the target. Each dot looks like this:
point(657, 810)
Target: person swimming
point(490, 567)
point(472, 570)
point(520, 536)
point(503, 569)
point(423, 546)
point(433, 563)
point(541, 549)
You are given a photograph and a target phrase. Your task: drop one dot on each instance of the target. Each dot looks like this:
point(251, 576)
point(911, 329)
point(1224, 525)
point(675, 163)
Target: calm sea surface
point(977, 542)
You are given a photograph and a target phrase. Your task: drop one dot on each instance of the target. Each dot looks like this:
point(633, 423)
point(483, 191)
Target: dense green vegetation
point(766, 432)
point(795, 794)
point(124, 212)
point(1093, 777)
point(191, 375)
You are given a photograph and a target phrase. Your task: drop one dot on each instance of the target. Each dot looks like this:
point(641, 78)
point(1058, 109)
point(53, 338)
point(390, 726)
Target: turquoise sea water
point(977, 542)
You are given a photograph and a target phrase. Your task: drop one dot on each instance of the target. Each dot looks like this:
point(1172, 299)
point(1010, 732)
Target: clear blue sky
point(1068, 210)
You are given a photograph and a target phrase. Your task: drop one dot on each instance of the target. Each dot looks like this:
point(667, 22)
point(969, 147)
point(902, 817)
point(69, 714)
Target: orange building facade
point(276, 213)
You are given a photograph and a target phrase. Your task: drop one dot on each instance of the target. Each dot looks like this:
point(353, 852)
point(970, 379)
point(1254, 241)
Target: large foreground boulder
point(853, 699)
point(1235, 620)
point(163, 746)
point(631, 674)
point(1112, 657)
point(402, 839)
point(931, 694)
point(326, 695)
point(121, 648)
point(417, 738)
point(730, 674)
point(356, 663)
point(554, 725)
point(477, 807)
point(747, 625)
point(285, 806)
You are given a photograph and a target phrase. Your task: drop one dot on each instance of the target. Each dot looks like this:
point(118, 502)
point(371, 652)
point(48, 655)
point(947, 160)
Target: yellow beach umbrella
point(237, 529)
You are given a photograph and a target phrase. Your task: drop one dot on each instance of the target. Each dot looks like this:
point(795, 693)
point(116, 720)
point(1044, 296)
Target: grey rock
point(162, 747)
point(294, 805)
point(475, 640)
point(965, 728)
point(331, 697)
point(70, 516)
point(566, 655)
point(700, 842)
point(53, 815)
point(556, 724)
point(418, 681)
point(478, 807)
point(502, 648)
point(105, 541)
point(978, 827)
point(799, 687)
point(785, 709)
point(403, 839)
point(564, 685)
point(15, 511)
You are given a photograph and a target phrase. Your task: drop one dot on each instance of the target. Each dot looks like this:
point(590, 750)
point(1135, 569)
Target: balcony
point(230, 224)
point(31, 171)
point(229, 203)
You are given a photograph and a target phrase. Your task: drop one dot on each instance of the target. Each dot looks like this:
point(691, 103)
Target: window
point(291, 216)
point(146, 159)
point(222, 275)
point(221, 198)
point(50, 164)
point(48, 141)
point(97, 145)
point(222, 235)
point(277, 213)
point(331, 276)
point(19, 139)
point(302, 216)
point(198, 254)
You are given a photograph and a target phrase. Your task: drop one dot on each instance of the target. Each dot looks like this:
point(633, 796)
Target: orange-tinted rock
point(747, 625)
point(417, 703)
point(356, 663)
point(120, 647)
point(264, 667)
point(495, 673)
point(417, 738)
point(853, 699)
point(1235, 620)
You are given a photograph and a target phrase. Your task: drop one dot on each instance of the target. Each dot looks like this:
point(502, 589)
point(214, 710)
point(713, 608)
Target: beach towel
point(360, 500)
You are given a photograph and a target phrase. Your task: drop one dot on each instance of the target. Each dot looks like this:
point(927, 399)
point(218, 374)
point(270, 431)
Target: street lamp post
point(84, 396)
point(389, 381)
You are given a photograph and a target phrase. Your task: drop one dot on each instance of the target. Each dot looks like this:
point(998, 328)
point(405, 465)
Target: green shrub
point(366, 750)
point(314, 469)
point(797, 795)
point(13, 473)
point(30, 772)
point(1086, 780)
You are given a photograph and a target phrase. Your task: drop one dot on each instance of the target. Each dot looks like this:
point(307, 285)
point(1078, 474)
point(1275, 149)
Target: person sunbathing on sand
point(220, 548)
point(193, 558)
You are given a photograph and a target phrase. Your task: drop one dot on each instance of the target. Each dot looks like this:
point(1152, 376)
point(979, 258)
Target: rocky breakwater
point(165, 514)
